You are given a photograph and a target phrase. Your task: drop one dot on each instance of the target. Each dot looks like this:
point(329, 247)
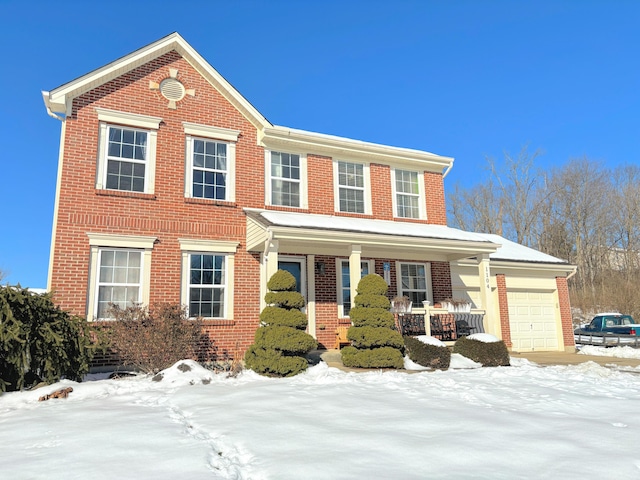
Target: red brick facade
point(565, 312)
point(168, 215)
point(503, 308)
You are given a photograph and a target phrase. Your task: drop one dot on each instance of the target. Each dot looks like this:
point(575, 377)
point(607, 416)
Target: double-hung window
point(209, 169)
point(408, 194)
point(127, 152)
point(119, 279)
point(119, 272)
point(207, 285)
point(207, 277)
point(126, 159)
point(414, 281)
point(352, 187)
point(287, 179)
point(344, 284)
point(210, 165)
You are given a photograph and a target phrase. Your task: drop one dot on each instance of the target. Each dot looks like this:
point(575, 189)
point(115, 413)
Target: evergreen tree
point(39, 342)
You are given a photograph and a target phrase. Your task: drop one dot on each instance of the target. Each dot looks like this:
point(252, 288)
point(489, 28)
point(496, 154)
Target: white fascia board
point(451, 249)
point(278, 137)
point(552, 269)
point(60, 99)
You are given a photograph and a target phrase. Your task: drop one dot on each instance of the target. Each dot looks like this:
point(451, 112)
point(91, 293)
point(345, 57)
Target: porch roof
point(333, 235)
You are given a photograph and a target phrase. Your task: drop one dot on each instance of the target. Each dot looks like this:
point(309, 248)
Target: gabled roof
point(60, 99)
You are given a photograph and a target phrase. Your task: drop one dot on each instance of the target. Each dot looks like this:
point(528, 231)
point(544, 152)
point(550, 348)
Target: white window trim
point(367, 186)
point(115, 118)
point(304, 202)
point(230, 191)
point(208, 247)
point(339, 286)
point(422, 203)
point(427, 272)
point(209, 131)
point(98, 241)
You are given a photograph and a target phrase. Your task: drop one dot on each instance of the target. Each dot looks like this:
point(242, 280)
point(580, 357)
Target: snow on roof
point(515, 252)
point(507, 249)
point(365, 225)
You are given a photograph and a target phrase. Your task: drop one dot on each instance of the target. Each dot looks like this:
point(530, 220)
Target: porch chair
point(411, 324)
point(439, 330)
point(463, 329)
point(341, 338)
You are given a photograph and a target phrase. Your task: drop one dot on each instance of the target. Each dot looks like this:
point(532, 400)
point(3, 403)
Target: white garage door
point(532, 318)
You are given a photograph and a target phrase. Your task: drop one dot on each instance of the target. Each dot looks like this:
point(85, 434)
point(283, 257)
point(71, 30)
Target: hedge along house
point(172, 187)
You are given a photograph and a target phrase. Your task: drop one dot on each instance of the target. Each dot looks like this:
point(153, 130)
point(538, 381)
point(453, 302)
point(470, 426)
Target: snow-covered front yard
point(523, 421)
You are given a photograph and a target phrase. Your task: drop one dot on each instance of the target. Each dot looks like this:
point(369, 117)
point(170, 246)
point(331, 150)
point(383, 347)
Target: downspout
point(45, 97)
point(446, 172)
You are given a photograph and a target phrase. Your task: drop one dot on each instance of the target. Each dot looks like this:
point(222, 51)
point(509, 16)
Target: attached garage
point(533, 321)
point(530, 306)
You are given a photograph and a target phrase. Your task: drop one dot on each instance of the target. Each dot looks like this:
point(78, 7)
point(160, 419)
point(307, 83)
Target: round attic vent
point(172, 89)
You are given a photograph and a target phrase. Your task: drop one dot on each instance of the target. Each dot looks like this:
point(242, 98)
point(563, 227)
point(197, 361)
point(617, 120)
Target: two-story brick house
point(172, 187)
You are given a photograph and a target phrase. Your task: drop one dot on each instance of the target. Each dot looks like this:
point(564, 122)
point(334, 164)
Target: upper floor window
point(286, 179)
point(127, 151)
point(209, 170)
point(352, 187)
point(408, 194)
point(211, 153)
point(126, 159)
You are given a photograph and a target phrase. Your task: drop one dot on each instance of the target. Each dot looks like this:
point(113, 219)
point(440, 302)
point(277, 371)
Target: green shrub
point(494, 354)
point(432, 356)
point(280, 341)
point(279, 316)
point(373, 317)
point(273, 363)
point(373, 337)
point(374, 343)
point(372, 301)
point(384, 357)
point(285, 339)
point(152, 339)
point(39, 342)
point(371, 284)
point(284, 299)
point(282, 281)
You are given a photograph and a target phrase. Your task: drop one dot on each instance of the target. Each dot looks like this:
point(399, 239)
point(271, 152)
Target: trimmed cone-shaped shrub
point(373, 337)
point(374, 343)
point(431, 356)
point(494, 354)
point(280, 341)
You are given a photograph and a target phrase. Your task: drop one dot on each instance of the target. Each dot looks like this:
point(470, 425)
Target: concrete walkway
point(333, 359)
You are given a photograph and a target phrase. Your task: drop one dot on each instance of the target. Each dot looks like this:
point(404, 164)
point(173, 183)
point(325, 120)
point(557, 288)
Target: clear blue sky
point(467, 79)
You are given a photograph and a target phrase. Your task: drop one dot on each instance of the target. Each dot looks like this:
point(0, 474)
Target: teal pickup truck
point(609, 329)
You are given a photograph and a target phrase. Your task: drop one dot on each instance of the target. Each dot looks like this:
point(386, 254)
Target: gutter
point(45, 97)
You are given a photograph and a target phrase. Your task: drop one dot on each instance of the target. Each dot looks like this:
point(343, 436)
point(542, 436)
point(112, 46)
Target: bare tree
point(477, 209)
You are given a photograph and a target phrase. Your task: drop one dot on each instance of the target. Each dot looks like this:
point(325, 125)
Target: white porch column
point(491, 324)
point(311, 295)
point(271, 258)
point(354, 270)
point(270, 266)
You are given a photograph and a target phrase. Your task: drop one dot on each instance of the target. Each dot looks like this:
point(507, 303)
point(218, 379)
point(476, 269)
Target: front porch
point(442, 324)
